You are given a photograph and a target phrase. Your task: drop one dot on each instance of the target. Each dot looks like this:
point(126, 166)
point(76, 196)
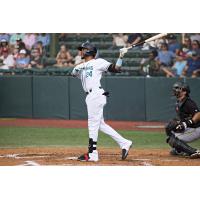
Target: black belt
point(91, 90)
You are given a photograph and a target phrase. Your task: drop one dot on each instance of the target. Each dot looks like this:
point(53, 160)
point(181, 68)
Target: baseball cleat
point(89, 157)
point(195, 155)
point(126, 149)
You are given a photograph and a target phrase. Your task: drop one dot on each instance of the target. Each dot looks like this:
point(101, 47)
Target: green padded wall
point(50, 97)
point(195, 89)
point(15, 96)
point(77, 106)
point(126, 101)
point(159, 100)
point(131, 98)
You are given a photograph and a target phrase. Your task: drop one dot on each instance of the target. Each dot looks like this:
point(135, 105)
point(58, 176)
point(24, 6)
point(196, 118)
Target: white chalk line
point(70, 158)
point(20, 156)
point(30, 163)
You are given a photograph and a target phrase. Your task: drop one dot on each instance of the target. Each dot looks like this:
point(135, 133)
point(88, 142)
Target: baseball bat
point(155, 37)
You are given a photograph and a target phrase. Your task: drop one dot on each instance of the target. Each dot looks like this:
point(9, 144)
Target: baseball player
point(90, 73)
point(186, 127)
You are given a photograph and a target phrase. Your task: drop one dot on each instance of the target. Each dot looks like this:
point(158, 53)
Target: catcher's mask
point(90, 49)
point(178, 87)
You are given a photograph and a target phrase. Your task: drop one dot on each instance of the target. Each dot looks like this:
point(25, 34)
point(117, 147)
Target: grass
point(11, 137)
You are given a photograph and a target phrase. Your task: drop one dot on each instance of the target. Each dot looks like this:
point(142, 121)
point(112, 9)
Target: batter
point(90, 73)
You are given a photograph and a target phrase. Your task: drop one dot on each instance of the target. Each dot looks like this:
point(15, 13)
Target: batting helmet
point(180, 86)
point(91, 50)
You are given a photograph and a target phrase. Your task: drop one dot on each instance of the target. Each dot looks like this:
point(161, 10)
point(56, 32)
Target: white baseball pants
point(95, 103)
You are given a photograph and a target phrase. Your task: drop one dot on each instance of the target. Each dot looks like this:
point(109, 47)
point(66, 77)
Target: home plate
point(71, 158)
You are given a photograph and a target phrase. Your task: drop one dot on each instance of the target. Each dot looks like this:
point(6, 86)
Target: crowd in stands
point(19, 50)
point(169, 56)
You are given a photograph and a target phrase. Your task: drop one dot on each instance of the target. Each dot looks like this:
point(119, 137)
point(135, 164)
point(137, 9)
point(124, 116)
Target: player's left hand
point(122, 52)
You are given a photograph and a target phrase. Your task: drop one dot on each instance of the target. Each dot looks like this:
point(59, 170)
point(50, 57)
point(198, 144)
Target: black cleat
point(126, 149)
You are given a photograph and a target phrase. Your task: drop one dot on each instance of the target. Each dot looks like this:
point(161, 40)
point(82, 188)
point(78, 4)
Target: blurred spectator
point(196, 73)
point(179, 64)
point(165, 60)
point(64, 58)
point(62, 37)
point(4, 36)
point(3, 45)
point(22, 61)
point(15, 51)
point(196, 47)
point(6, 60)
point(44, 38)
point(134, 38)
point(39, 46)
point(193, 66)
point(16, 36)
point(21, 45)
point(29, 40)
point(148, 65)
point(187, 43)
point(173, 44)
point(36, 60)
point(119, 40)
point(77, 58)
point(195, 37)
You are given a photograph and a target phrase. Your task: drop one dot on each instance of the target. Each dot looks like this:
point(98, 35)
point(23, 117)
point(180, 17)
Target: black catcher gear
point(180, 86)
point(180, 146)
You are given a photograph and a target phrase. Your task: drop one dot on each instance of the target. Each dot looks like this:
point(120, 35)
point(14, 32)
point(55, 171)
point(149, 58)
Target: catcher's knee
point(171, 126)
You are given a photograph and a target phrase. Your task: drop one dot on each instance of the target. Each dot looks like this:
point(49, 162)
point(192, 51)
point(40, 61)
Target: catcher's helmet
point(179, 87)
point(91, 50)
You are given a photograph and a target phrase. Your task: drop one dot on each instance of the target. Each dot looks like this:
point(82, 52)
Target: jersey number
point(88, 73)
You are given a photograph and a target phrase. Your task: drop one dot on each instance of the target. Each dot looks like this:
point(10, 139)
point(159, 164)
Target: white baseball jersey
point(90, 73)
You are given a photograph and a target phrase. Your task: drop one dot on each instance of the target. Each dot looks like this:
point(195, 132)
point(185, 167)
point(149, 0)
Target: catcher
point(186, 127)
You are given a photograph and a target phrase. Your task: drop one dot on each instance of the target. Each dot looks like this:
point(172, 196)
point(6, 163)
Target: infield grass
point(11, 137)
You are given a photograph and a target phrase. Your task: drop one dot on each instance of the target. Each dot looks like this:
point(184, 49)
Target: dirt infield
point(108, 157)
point(68, 156)
point(119, 125)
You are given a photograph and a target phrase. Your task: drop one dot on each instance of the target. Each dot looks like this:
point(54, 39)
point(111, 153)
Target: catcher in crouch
point(186, 127)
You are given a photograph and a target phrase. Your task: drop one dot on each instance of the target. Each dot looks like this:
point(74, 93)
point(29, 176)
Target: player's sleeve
point(192, 107)
point(77, 70)
point(103, 65)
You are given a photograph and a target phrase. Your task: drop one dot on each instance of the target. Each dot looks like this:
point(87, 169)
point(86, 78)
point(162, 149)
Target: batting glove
point(122, 52)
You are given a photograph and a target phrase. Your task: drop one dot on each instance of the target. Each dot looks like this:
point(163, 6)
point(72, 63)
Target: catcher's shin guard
point(180, 145)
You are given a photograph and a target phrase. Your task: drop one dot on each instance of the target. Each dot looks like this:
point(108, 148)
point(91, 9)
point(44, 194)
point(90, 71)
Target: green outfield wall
point(131, 98)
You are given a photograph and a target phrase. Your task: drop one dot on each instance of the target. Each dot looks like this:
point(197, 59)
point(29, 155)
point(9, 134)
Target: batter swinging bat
point(155, 37)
